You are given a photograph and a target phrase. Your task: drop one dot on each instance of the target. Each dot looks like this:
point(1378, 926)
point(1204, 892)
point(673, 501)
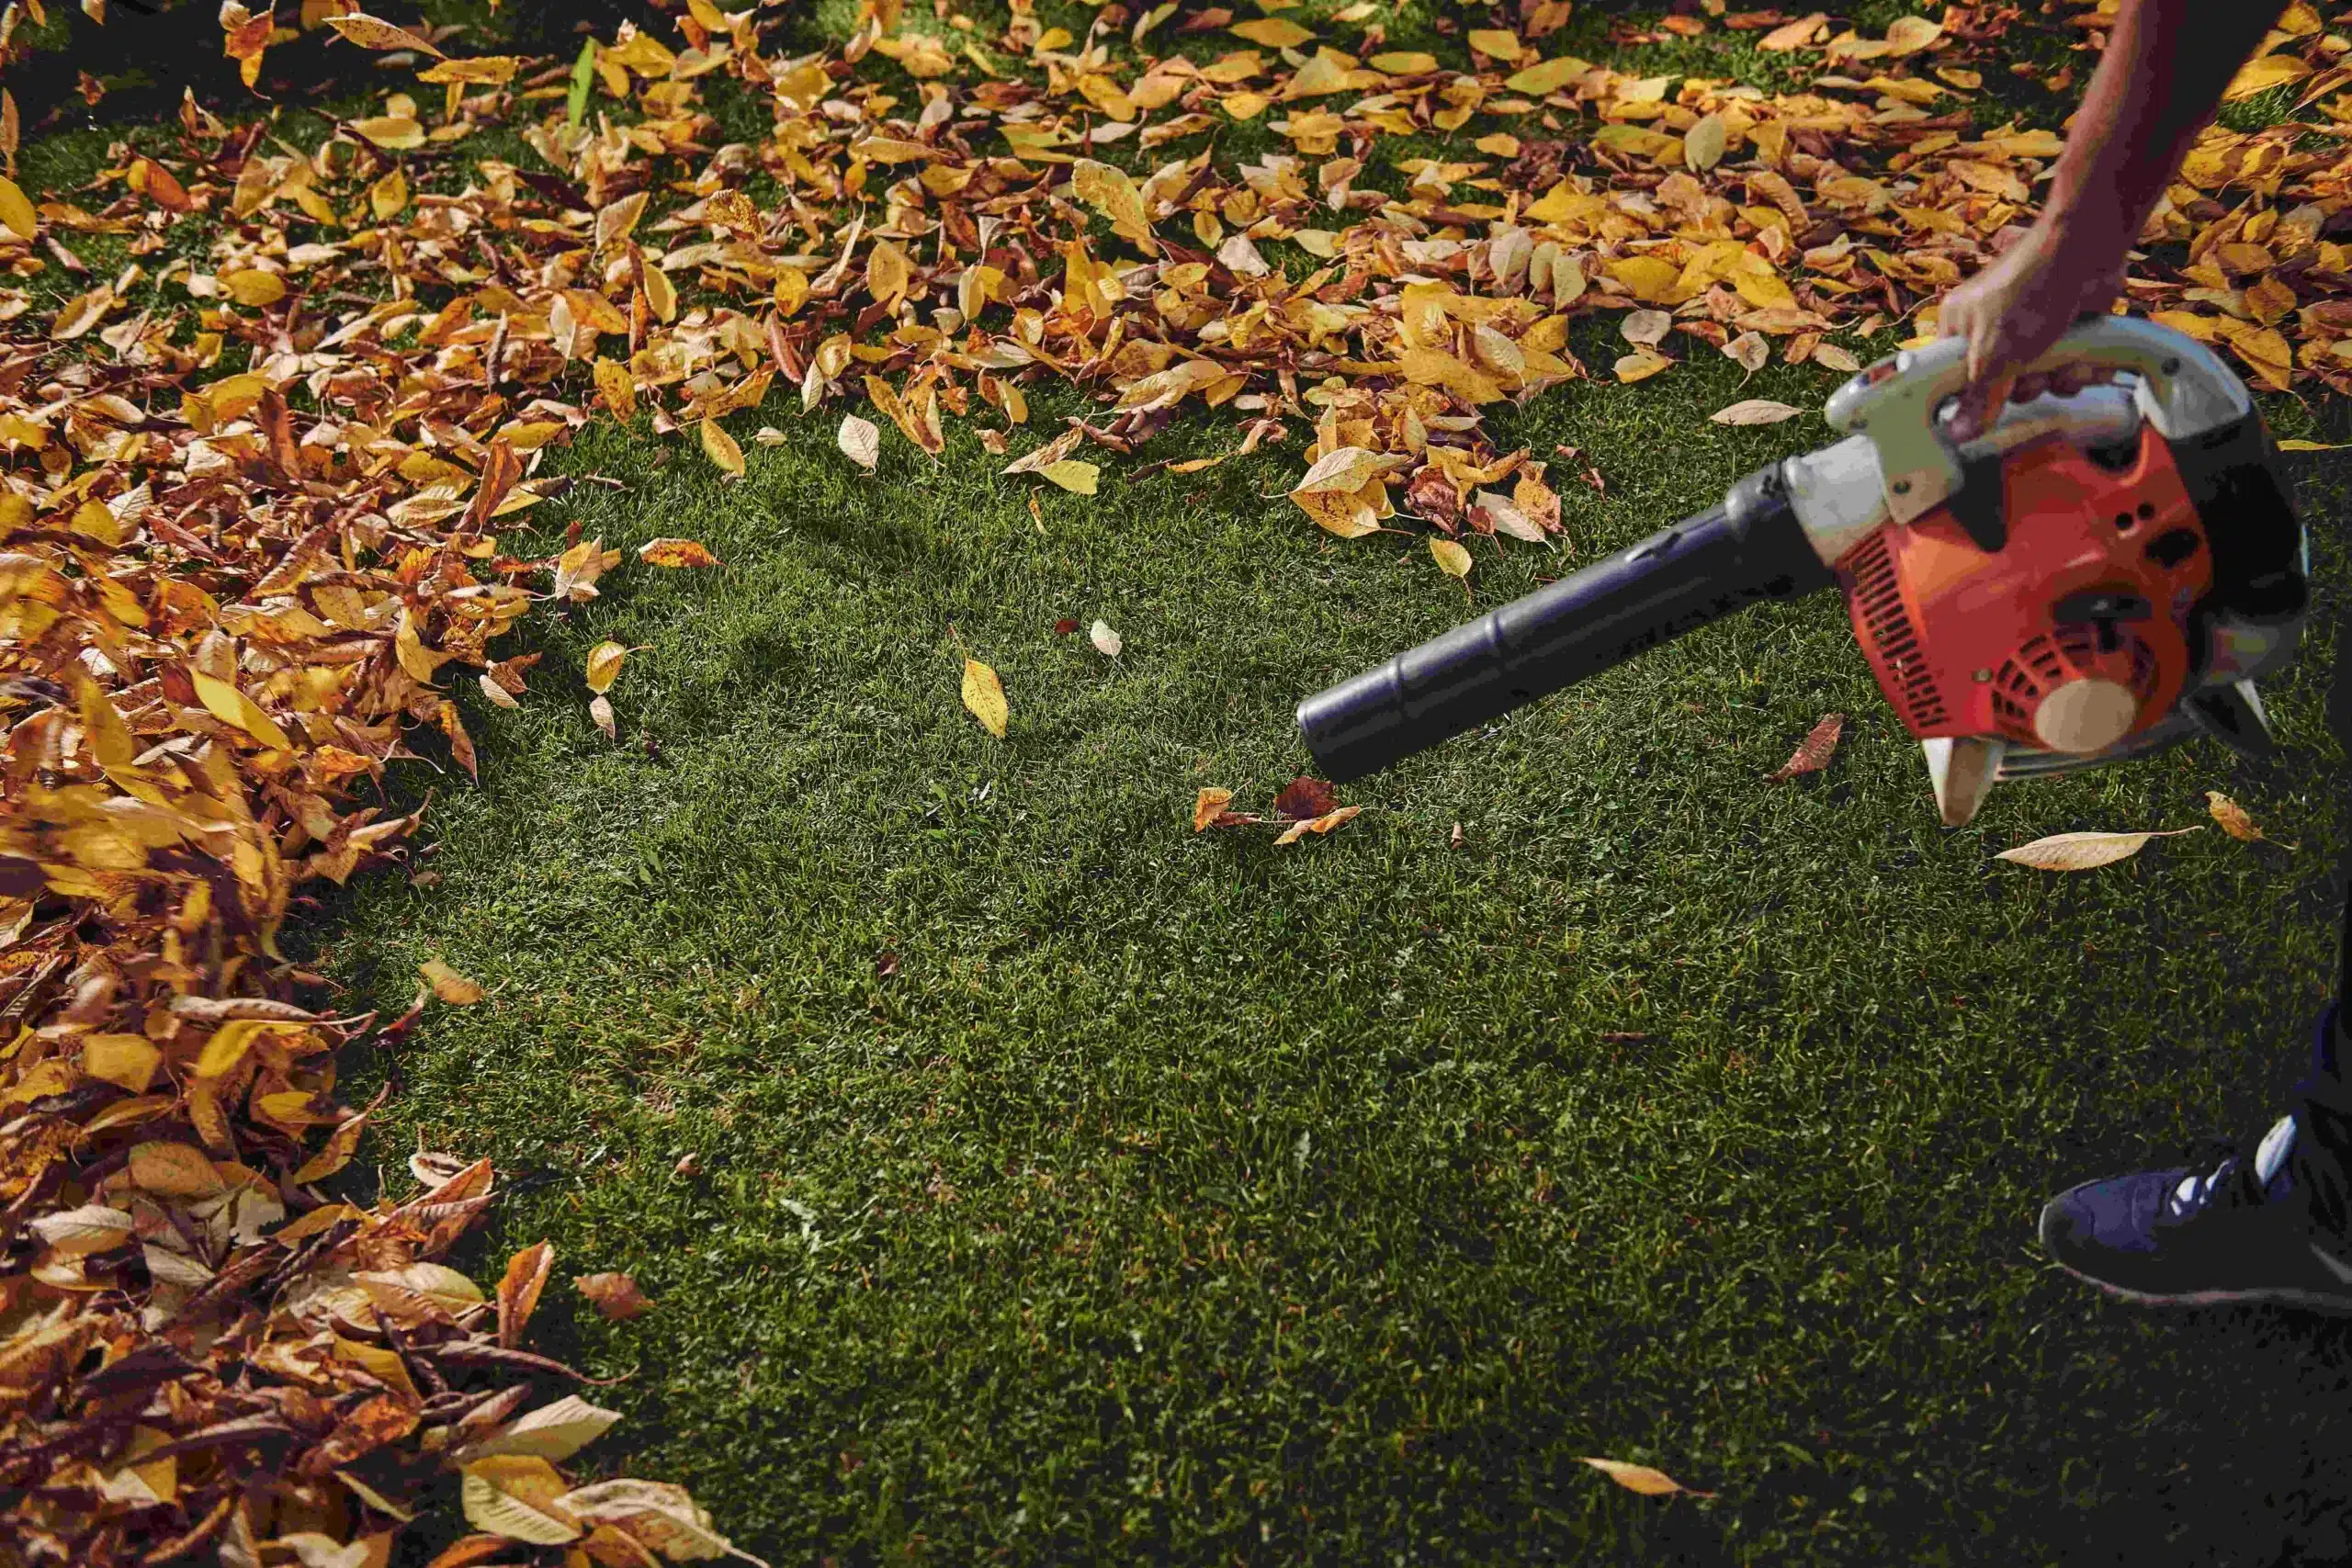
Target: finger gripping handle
point(2184, 390)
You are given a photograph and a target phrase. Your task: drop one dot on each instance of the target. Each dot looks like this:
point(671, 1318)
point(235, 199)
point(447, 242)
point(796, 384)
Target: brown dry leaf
point(600, 708)
point(448, 984)
point(2084, 851)
point(860, 441)
point(1796, 34)
point(1645, 329)
point(1305, 796)
point(676, 553)
point(615, 1295)
point(1319, 825)
point(1812, 753)
point(1755, 410)
point(2235, 821)
point(371, 32)
point(984, 694)
point(1641, 1478)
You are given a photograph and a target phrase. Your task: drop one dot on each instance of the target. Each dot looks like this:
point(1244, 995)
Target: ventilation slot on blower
point(1879, 598)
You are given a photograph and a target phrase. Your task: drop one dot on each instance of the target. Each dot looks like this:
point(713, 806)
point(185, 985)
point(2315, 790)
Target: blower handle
point(1751, 547)
point(2184, 393)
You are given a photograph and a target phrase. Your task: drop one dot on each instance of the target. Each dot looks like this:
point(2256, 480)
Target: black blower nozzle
point(1749, 548)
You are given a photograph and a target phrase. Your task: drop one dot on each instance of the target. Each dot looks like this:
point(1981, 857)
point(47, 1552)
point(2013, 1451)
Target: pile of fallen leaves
point(255, 478)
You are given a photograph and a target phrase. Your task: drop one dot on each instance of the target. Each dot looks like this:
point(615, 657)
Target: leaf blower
point(2096, 576)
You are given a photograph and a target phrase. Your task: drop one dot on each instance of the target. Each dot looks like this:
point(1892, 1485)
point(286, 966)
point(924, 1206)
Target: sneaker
point(2273, 1228)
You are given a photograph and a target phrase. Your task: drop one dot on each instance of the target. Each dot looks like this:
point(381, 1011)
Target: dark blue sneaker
point(2273, 1228)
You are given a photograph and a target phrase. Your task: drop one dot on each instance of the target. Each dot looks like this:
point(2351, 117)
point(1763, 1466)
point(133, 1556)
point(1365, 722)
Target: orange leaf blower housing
point(2073, 637)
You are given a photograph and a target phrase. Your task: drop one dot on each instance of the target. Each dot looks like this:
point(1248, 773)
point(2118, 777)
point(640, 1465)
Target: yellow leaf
point(373, 32)
point(618, 388)
point(1755, 410)
point(1071, 475)
point(1909, 35)
point(720, 448)
point(174, 1170)
point(1547, 77)
point(224, 701)
point(676, 553)
point(1641, 1478)
point(1272, 32)
point(127, 1061)
point(252, 286)
point(2084, 851)
point(984, 694)
point(605, 666)
point(888, 272)
point(1793, 35)
point(1496, 43)
point(395, 133)
point(1400, 63)
point(1206, 804)
point(2259, 75)
point(1109, 191)
point(1501, 144)
point(448, 984)
point(1641, 366)
point(515, 1496)
point(1344, 469)
point(17, 211)
point(1703, 143)
point(1452, 558)
point(2296, 444)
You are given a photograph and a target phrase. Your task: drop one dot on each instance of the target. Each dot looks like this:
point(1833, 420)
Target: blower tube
point(1751, 547)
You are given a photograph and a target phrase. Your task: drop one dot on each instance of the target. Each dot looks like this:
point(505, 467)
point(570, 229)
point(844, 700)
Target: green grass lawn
point(1067, 1187)
point(1195, 1198)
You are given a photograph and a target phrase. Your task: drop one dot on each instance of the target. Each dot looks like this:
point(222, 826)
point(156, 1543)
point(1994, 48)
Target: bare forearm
point(2167, 64)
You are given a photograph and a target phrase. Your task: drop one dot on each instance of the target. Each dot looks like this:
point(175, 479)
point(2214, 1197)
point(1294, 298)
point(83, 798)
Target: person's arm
point(2167, 66)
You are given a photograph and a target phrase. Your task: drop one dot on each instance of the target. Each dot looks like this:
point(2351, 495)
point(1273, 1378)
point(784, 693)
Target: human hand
point(2014, 310)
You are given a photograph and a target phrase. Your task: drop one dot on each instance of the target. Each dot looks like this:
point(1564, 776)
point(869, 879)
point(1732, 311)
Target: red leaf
point(1305, 797)
point(1812, 755)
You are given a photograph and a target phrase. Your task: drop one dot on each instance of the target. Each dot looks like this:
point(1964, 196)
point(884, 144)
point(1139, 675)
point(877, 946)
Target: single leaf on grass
point(1793, 35)
point(1207, 807)
point(2084, 852)
point(984, 694)
point(1305, 796)
point(1322, 824)
point(720, 448)
point(2292, 443)
point(605, 666)
point(1450, 557)
point(518, 1289)
point(1100, 635)
point(1837, 358)
point(615, 1295)
point(2234, 820)
point(1813, 752)
point(600, 708)
point(448, 984)
point(1755, 410)
point(1641, 366)
point(1641, 1478)
point(1750, 350)
point(860, 441)
point(676, 553)
point(1071, 475)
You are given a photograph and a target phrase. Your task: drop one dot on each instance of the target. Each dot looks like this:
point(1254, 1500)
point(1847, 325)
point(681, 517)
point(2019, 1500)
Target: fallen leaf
point(1104, 638)
point(720, 448)
point(600, 708)
point(2084, 851)
point(615, 1295)
point(1305, 796)
point(1641, 1478)
point(2234, 820)
point(676, 553)
point(448, 984)
point(605, 666)
point(1322, 824)
point(1071, 475)
point(1208, 805)
point(1645, 329)
point(1750, 349)
point(1794, 35)
point(984, 694)
point(860, 441)
point(2296, 444)
point(1703, 143)
point(1812, 753)
point(1641, 366)
point(16, 212)
point(1450, 557)
point(1837, 358)
point(1755, 410)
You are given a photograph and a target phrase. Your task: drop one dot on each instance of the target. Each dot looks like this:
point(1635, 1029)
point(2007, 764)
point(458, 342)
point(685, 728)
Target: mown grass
point(1068, 1187)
